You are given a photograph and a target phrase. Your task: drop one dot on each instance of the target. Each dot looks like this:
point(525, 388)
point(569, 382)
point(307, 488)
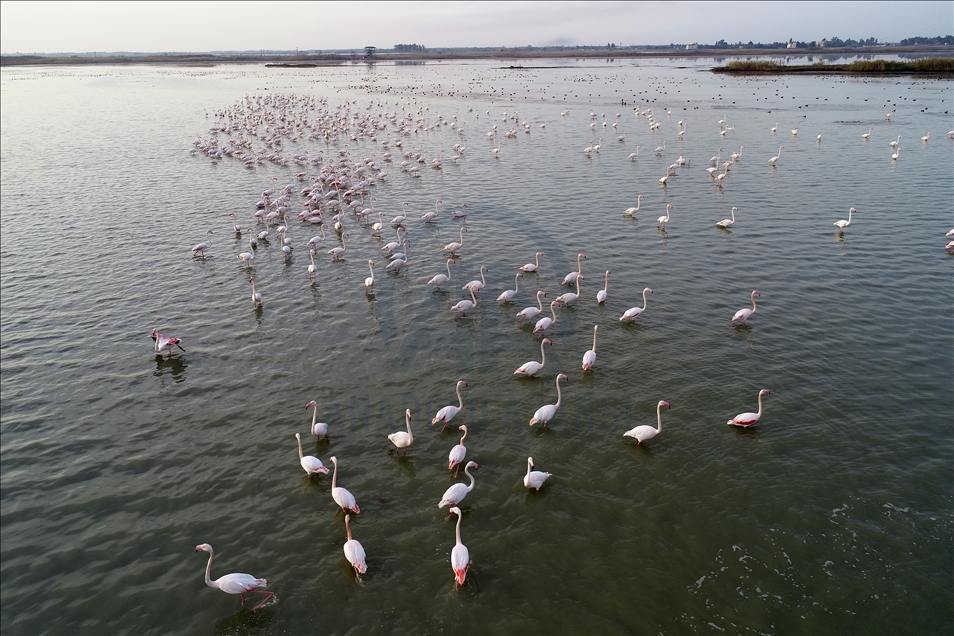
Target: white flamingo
point(745, 313)
point(235, 583)
point(507, 296)
point(589, 358)
point(534, 478)
point(570, 278)
point(532, 312)
point(842, 224)
point(465, 305)
point(746, 420)
point(532, 267)
point(342, 497)
point(601, 294)
point(318, 429)
point(311, 464)
point(633, 313)
point(570, 297)
point(772, 161)
point(460, 556)
point(476, 285)
point(531, 368)
point(457, 454)
point(256, 297)
point(643, 433)
point(456, 245)
point(440, 279)
point(544, 323)
point(199, 250)
point(726, 223)
point(633, 211)
point(369, 281)
point(456, 493)
point(354, 551)
point(446, 414)
point(545, 413)
point(663, 221)
point(402, 439)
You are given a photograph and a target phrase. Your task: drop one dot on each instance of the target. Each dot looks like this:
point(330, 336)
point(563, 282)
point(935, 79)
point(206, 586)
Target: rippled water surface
point(833, 515)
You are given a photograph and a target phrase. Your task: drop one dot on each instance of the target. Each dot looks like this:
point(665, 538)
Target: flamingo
point(453, 247)
point(531, 368)
point(633, 211)
point(589, 358)
point(312, 268)
point(235, 583)
point(534, 478)
point(430, 216)
point(772, 161)
point(664, 220)
point(715, 160)
point(456, 456)
point(818, 137)
point(570, 297)
point(369, 281)
point(630, 315)
point(661, 149)
point(842, 224)
point(507, 296)
point(318, 429)
point(199, 250)
point(795, 132)
point(235, 227)
point(446, 414)
point(897, 153)
point(644, 432)
point(311, 464)
point(726, 223)
point(465, 305)
point(532, 312)
point(894, 143)
point(746, 420)
point(866, 135)
point(440, 279)
point(164, 342)
point(634, 155)
point(601, 294)
point(354, 551)
point(338, 252)
point(545, 413)
point(745, 313)
point(399, 219)
point(774, 128)
point(546, 321)
point(402, 439)
point(342, 497)
point(456, 493)
point(256, 297)
point(393, 245)
point(252, 240)
point(476, 285)
point(531, 268)
point(457, 214)
point(400, 259)
point(460, 556)
point(570, 278)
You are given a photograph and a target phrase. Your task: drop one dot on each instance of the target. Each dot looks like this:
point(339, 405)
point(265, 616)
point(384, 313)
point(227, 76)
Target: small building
point(692, 47)
point(791, 44)
point(369, 53)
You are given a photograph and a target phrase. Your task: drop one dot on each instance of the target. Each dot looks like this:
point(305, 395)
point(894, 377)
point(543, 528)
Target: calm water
point(833, 515)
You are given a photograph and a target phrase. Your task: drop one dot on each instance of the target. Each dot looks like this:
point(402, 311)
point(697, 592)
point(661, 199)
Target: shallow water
point(832, 515)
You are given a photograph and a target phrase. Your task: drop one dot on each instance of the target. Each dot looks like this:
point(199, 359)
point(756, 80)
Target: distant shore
point(334, 59)
point(932, 66)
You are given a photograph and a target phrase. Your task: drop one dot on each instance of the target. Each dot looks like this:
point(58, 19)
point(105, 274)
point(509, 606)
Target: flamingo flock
point(342, 188)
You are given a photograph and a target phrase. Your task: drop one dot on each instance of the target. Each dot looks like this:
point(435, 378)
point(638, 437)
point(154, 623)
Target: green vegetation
point(927, 66)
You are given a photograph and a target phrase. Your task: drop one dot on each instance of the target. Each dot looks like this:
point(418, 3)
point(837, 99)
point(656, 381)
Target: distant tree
point(947, 39)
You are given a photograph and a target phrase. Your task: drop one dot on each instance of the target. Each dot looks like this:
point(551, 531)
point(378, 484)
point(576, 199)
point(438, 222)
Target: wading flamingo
point(601, 294)
point(530, 369)
point(570, 278)
point(465, 305)
point(545, 413)
point(534, 478)
point(532, 312)
point(842, 224)
point(318, 429)
point(507, 296)
point(570, 297)
point(746, 313)
point(440, 279)
point(402, 439)
point(456, 245)
point(772, 161)
point(456, 493)
point(633, 211)
point(532, 267)
point(235, 583)
point(369, 281)
point(457, 454)
point(164, 343)
point(726, 223)
point(199, 250)
point(354, 551)
point(476, 285)
point(663, 221)
point(460, 556)
point(342, 497)
point(748, 419)
point(256, 297)
point(633, 313)
point(643, 433)
point(310, 463)
point(589, 358)
point(546, 321)
point(446, 414)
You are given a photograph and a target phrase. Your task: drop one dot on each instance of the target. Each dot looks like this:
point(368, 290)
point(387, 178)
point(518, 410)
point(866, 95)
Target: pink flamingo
point(440, 279)
point(446, 414)
point(546, 321)
point(318, 429)
point(311, 464)
point(164, 342)
point(746, 420)
point(643, 433)
point(402, 439)
point(460, 556)
point(531, 368)
point(630, 315)
point(235, 583)
point(199, 250)
point(534, 478)
point(589, 358)
point(354, 551)
point(570, 278)
point(534, 266)
point(532, 312)
point(457, 454)
point(342, 497)
point(545, 413)
point(456, 493)
point(746, 313)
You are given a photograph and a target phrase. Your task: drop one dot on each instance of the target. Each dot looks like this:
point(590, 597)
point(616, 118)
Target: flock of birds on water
point(337, 192)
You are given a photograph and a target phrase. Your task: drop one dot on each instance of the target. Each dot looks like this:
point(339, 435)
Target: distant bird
point(746, 420)
point(926, 137)
point(235, 583)
point(633, 211)
point(534, 478)
point(643, 433)
point(866, 135)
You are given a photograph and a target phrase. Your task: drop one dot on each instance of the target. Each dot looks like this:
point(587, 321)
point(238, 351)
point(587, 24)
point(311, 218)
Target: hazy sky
point(49, 27)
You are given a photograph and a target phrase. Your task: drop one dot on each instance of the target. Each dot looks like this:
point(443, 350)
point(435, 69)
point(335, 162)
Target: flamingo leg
point(268, 597)
point(456, 470)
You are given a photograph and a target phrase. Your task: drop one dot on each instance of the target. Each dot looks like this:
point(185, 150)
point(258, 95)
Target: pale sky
point(79, 27)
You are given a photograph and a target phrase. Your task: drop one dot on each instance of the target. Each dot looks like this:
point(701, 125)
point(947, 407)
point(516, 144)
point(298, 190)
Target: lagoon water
point(832, 515)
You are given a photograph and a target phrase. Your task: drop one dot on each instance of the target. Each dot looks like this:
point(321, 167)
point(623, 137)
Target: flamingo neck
point(407, 422)
point(553, 311)
point(347, 527)
point(448, 268)
point(463, 437)
point(208, 569)
point(606, 282)
point(594, 339)
point(462, 237)
point(753, 303)
point(759, 414)
point(579, 265)
point(314, 416)
point(658, 418)
point(543, 352)
point(577, 285)
point(482, 279)
point(472, 480)
point(300, 454)
point(516, 284)
point(559, 393)
point(540, 302)
point(529, 467)
point(644, 300)
point(460, 400)
point(334, 477)
point(459, 517)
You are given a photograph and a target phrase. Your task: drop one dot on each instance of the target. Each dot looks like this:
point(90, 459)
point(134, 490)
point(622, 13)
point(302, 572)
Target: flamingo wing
point(589, 359)
point(238, 583)
point(354, 552)
point(446, 414)
point(456, 456)
point(742, 314)
point(544, 414)
point(744, 419)
point(453, 495)
point(460, 561)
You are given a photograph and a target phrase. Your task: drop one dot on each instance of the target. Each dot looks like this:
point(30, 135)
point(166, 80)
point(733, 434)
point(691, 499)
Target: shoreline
point(334, 59)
